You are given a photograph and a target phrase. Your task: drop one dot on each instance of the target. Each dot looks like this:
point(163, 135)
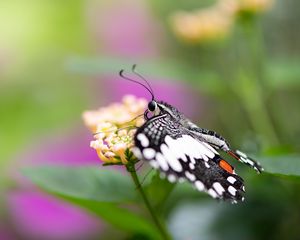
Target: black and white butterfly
point(181, 150)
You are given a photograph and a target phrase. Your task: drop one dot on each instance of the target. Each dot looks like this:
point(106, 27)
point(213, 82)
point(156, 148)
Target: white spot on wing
point(176, 145)
point(205, 158)
point(171, 178)
point(192, 166)
point(171, 159)
point(143, 139)
point(218, 187)
point(232, 190)
point(197, 149)
point(231, 179)
point(247, 161)
point(149, 153)
point(137, 152)
point(190, 176)
point(199, 185)
point(162, 161)
point(190, 146)
point(212, 193)
point(241, 154)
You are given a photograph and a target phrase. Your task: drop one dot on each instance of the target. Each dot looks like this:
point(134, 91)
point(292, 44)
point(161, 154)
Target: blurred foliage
point(36, 36)
point(250, 81)
point(37, 96)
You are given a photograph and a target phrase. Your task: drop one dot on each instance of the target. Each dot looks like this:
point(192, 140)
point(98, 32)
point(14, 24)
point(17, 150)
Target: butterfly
point(181, 150)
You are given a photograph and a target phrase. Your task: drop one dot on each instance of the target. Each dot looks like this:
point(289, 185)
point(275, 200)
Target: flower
point(255, 6)
point(114, 127)
point(214, 22)
point(207, 24)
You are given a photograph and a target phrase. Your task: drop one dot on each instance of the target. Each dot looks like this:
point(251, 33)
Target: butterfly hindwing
point(169, 147)
point(242, 157)
point(219, 142)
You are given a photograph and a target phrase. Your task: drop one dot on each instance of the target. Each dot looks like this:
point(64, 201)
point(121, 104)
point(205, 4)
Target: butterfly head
point(158, 108)
point(153, 107)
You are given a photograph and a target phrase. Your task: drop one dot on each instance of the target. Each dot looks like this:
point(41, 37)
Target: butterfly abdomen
point(211, 137)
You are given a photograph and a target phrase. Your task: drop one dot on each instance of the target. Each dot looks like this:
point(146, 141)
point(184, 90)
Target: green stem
point(253, 102)
point(160, 227)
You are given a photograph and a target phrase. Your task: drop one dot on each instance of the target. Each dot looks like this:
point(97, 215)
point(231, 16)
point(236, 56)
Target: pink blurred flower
point(5, 234)
point(124, 28)
point(39, 216)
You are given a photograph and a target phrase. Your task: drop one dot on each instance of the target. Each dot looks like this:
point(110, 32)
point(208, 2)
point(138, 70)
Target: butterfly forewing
point(171, 148)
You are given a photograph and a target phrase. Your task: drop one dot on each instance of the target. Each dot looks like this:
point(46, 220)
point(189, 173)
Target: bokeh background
point(232, 66)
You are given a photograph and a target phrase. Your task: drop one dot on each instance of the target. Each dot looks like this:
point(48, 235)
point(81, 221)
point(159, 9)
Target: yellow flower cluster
point(115, 126)
point(202, 25)
point(214, 22)
point(255, 6)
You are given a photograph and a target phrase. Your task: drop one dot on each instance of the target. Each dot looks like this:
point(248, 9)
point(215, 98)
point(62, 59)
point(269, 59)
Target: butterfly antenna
point(121, 73)
point(140, 115)
point(138, 74)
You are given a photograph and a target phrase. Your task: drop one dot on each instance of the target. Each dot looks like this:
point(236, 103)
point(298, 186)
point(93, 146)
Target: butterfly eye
point(152, 106)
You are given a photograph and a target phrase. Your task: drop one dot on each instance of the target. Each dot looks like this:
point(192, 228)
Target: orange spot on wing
point(226, 166)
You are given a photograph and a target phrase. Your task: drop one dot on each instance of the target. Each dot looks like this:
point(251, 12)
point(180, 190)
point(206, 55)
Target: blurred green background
point(231, 65)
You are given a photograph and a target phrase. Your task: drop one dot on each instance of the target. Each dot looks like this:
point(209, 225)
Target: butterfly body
point(181, 150)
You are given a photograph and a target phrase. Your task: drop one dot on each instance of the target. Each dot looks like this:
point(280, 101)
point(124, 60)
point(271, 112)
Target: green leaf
point(91, 183)
point(99, 191)
point(158, 190)
point(285, 166)
point(119, 217)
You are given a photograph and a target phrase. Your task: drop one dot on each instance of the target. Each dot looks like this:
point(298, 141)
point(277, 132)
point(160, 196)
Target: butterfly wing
point(242, 157)
point(219, 142)
point(169, 147)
